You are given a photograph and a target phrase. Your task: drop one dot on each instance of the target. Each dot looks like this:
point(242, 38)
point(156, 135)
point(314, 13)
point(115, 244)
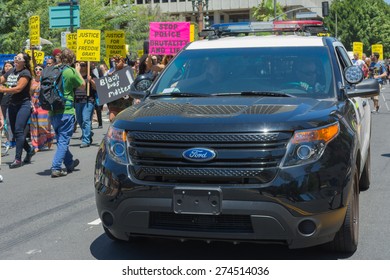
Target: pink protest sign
point(168, 37)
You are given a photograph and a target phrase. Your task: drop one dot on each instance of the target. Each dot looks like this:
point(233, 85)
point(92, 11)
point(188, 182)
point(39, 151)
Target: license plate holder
point(204, 201)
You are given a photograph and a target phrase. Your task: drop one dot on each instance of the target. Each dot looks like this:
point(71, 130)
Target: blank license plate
point(197, 201)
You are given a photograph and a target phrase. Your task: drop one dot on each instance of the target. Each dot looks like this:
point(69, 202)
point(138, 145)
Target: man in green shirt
point(63, 120)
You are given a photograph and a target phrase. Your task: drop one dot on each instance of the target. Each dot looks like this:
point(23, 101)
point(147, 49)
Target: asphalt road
point(48, 218)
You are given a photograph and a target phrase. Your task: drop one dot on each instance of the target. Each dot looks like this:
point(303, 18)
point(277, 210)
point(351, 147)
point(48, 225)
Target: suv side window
point(343, 57)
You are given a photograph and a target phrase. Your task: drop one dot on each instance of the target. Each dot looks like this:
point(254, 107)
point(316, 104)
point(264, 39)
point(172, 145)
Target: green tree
point(265, 11)
point(94, 14)
point(360, 21)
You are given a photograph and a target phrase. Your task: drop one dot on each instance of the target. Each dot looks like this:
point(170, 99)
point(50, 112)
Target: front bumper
point(301, 207)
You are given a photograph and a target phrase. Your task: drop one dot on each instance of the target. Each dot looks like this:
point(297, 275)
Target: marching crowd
point(373, 69)
point(22, 118)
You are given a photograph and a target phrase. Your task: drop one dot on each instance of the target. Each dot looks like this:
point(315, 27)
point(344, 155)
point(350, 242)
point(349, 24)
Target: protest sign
point(379, 49)
point(357, 47)
point(38, 55)
point(115, 43)
point(115, 86)
point(71, 42)
point(35, 30)
point(168, 38)
point(88, 45)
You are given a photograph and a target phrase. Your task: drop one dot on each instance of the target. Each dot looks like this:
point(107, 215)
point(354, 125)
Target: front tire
point(346, 239)
point(364, 183)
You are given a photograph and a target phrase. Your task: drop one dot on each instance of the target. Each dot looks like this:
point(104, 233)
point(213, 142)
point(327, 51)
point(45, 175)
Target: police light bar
point(281, 25)
point(261, 26)
point(243, 27)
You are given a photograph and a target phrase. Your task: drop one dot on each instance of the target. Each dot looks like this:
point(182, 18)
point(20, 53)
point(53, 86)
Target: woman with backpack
point(18, 81)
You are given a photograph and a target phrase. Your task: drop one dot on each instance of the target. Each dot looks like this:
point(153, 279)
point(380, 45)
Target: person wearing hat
point(377, 72)
point(56, 56)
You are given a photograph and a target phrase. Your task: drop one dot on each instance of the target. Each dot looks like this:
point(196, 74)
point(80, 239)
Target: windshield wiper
point(267, 93)
point(180, 94)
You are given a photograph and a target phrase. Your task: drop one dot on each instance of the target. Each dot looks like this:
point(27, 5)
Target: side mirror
point(367, 88)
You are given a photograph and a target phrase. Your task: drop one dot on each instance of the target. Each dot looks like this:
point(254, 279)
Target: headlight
point(308, 145)
point(116, 144)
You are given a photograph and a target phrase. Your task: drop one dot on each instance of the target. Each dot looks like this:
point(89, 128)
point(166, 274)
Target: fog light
point(108, 219)
point(307, 227)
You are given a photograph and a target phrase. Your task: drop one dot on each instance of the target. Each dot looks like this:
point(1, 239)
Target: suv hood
point(226, 114)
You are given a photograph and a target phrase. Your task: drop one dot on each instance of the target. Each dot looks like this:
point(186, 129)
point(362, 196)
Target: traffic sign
point(63, 38)
point(60, 16)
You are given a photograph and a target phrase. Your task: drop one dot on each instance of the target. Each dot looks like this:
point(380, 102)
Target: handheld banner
point(88, 45)
point(115, 86)
point(38, 55)
point(35, 30)
point(357, 47)
point(168, 38)
point(71, 42)
point(115, 43)
point(379, 49)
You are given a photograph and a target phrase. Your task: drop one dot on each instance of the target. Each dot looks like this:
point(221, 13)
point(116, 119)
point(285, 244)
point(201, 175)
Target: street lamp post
point(200, 6)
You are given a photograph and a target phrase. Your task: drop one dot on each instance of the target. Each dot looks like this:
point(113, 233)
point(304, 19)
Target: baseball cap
point(56, 51)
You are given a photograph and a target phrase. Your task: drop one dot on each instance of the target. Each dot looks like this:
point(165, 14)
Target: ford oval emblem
point(199, 154)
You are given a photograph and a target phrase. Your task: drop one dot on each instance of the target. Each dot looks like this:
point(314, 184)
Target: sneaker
point(15, 164)
point(84, 145)
point(29, 155)
point(58, 173)
point(74, 164)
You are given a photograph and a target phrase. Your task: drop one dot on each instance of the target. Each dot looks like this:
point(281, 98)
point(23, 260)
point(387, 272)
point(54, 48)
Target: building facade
point(222, 11)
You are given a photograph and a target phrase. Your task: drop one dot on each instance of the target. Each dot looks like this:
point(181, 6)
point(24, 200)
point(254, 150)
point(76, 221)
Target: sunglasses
point(38, 69)
point(18, 58)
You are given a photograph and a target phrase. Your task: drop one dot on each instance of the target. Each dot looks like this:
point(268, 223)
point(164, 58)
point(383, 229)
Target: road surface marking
point(95, 222)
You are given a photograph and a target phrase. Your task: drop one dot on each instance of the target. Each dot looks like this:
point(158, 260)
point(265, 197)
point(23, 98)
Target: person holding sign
point(116, 106)
point(85, 104)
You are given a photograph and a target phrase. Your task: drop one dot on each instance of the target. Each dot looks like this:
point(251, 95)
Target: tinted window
point(304, 71)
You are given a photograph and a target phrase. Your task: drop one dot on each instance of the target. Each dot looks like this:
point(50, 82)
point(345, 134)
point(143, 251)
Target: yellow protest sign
point(38, 55)
point(88, 45)
point(107, 62)
point(357, 47)
point(35, 31)
point(115, 43)
point(379, 49)
point(140, 53)
point(71, 42)
point(192, 32)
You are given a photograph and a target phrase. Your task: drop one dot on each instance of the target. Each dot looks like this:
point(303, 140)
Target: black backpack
point(51, 94)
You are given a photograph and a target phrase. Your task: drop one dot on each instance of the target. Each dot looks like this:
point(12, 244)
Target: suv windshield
point(294, 71)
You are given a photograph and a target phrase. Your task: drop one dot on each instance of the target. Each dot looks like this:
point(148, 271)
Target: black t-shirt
point(81, 94)
point(12, 77)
